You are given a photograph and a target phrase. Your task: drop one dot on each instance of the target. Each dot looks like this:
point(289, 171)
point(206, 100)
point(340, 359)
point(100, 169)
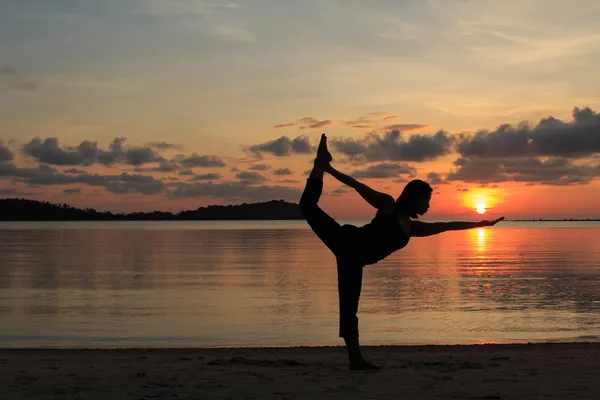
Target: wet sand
point(534, 371)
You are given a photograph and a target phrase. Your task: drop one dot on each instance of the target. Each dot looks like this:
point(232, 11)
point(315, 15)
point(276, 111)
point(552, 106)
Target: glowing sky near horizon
point(162, 104)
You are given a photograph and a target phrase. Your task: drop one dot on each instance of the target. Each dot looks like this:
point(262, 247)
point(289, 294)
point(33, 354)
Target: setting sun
point(480, 207)
point(482, 200)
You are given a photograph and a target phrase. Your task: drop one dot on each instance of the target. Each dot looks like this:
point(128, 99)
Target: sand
point(536, 371)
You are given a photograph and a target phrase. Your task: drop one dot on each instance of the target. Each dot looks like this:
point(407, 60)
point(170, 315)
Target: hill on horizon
point(18, 209)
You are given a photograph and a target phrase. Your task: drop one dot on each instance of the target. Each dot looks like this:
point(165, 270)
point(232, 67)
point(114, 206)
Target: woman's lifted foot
point(323, 155)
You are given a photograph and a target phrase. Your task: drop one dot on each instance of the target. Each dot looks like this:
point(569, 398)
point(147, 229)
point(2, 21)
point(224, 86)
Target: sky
point(141, 105)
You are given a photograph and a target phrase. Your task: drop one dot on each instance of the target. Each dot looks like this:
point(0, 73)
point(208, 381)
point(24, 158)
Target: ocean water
point(273, 283)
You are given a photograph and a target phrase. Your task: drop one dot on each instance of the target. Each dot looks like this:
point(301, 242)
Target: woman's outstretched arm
point(380, 201)
point(421, 229)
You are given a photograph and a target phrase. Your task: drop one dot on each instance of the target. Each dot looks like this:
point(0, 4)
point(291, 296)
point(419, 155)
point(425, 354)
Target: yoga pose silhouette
point(355, 247)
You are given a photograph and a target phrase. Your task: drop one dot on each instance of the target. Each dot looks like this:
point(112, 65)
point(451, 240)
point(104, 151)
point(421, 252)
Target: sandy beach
point(535, 371)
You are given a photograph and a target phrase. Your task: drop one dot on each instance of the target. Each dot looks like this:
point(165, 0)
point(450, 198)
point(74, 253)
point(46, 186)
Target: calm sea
point(206, 284)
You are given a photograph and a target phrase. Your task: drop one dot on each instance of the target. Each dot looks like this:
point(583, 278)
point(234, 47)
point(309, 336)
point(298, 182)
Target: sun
point(480, 208)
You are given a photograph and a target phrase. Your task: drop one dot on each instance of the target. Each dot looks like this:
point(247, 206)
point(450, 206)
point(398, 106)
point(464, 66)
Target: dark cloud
point(186, 173)
point(72, 191)
point(141, 155)
point(164, 146)
point(288, 181)
point(391, 146)
point(282, 171)
point(74, 171)
point(339, 192)
point(49, 151)
point(5, 154)
point(405, 127)
point(107, 158)
point(279, 126)
point(552, 171)
point(260, 167)
point(16, 80)
point(235, 169)
point(283, 146)
point(321, 124)
point(433, 178)
point(235, 191)
point(250, 178)
point(550, 137)
point(384, 170)
point(306, 123)
point(196, 160)
point(16, 192)
point(163, 166)
point(208, 177)
point(44, 175)
point(7, 70)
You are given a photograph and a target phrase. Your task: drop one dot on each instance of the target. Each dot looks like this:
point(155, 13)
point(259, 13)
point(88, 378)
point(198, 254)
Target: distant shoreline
point(23, 210)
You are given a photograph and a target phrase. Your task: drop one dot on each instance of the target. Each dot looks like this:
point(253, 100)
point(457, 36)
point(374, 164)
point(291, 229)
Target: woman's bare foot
point(323, 155)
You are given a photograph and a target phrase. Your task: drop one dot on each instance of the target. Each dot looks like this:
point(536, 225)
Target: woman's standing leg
point(349, 288)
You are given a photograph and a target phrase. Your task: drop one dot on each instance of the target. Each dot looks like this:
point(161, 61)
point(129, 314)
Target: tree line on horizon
point(33, 210)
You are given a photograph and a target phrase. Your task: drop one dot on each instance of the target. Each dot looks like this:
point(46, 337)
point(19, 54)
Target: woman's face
point(422, 205)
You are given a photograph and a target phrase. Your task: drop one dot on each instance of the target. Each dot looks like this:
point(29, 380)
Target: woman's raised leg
point(325, 227)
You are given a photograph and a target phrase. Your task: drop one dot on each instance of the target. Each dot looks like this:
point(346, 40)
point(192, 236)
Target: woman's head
point(415, 197)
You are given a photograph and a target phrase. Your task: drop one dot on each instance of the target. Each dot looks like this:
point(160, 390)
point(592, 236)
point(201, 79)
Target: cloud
point(208, 177)
point(321, 124)
point(45, 175)
point(405, 127)
point(163, 166)
point(282, 146)
point(16, 80)
point(550, 137)
point(164, 146)
point(260, 167)
point(7, 70)
point(282, 171)
point(16, 192)
point(49, 151)
point(288, 181)
point(5, 154)
point(339, 192)
point(306, 123)
point(74, 171)
point(553, 171)
point(280, 126)
point(141, 155)
point(391, 146)
point(234, 191)
point(186, 173)
point(72, 191)
point(435, 179)
point(250, 178)
point(384, 170)
point(196, 160)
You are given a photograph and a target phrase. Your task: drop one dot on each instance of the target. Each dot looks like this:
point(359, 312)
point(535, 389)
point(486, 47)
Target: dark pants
point(338, 239)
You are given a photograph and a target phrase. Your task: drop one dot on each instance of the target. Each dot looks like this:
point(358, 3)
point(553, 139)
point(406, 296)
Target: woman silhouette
point(355, 247)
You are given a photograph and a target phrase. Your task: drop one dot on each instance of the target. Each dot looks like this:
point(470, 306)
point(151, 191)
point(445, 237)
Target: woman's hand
point(490, 223)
